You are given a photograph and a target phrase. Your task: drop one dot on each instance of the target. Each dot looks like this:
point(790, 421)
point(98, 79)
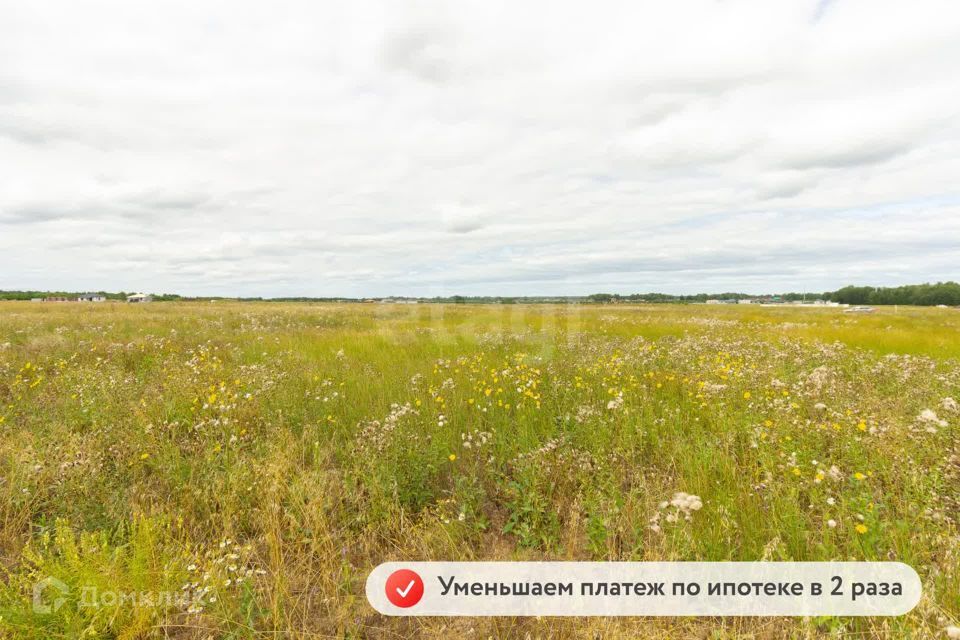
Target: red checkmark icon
point(404, 588)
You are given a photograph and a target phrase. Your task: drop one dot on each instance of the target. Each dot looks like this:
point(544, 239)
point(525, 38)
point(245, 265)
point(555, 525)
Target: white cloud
point(372, 148)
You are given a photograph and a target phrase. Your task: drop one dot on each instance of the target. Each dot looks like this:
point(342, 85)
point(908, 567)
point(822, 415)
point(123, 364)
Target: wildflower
point(952, 632)
point(832, 523)
point(831, 501)
point(685, 503)
point(746, 395)
point(861, 529)
point(930, 417)
point(859, 476)
point(655, 522)
point(452, 457)
point(144, 456)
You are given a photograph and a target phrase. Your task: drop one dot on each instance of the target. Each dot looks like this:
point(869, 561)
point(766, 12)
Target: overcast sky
point(359, 148)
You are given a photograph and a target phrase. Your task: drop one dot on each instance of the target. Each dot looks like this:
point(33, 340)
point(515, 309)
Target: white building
point(140, 297)
point(91, 297)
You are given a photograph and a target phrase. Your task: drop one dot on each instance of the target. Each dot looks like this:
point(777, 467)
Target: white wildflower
point(616, 403)
point(684, 503)
point(931, 418)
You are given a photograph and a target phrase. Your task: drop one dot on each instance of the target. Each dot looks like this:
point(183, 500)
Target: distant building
point(91, 297)
point(714, 302)
point(860, 309)
point(815, 303)
point(140, 297)
point(746, 301)
point(56, 299)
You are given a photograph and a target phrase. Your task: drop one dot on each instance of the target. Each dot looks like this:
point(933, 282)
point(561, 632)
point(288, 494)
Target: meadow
point(234, 470)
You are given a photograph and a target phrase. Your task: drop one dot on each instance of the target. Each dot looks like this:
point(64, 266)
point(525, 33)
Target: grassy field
point(234, 470)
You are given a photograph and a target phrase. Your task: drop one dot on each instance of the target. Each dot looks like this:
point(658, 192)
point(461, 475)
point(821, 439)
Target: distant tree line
point(29, 295)
point(72, 295)
point(923, 295)
point(947, 293)
point(664, 297)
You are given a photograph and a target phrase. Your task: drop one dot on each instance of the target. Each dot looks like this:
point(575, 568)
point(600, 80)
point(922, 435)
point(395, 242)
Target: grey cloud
point(31, 214)
point(32, 133)
point(148, 207)
point(166, 201)
point(868, 152)
point(422, 52)
point(461, 218)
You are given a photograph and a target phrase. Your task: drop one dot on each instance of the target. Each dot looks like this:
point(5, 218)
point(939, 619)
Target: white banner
point(643, 588)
